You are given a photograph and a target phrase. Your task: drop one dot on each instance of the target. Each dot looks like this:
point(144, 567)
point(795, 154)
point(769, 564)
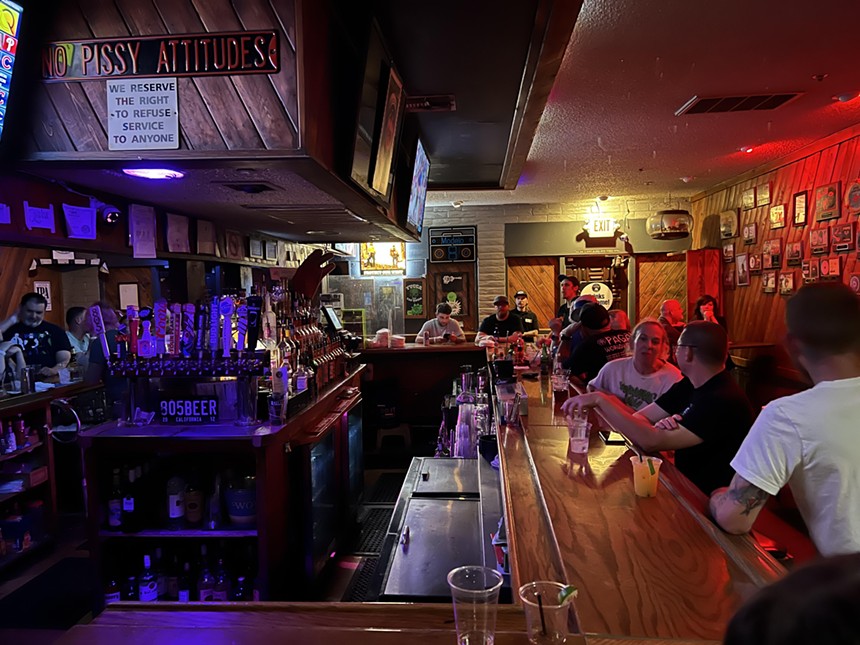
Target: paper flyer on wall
point(35, 217)
point(142, 230)
point(177, 234)
point(80, 222)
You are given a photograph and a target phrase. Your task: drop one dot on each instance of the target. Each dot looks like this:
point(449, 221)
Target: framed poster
point(755, 263)
point(729, 224)
point(809, 270)
point(743, 270)
point(772, 254)
point(271, 250)
point(827, 202)
point(830, 268)
point(854, 282)
point(43, 288)
point(768, 282)
point(454, 289)
point(748, 199)
point(129, 294)
point(843, 237)
point(750, 233)
point(786, 283)
point(794, 254)
point(762, 194)
point(852, 197)
point(380, 179)
point(235, 245)
point(729, 276)
point(819, 240)
point(729, 252)
point(255, 248)
point(413, 298)
point(382, 258)
point(777, 216)
point(800, 208)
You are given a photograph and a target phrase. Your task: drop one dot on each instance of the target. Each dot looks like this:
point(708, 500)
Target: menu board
point(413, 297)
point(10, 21)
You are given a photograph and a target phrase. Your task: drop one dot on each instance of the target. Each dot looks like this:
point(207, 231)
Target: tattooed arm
point(736, 508)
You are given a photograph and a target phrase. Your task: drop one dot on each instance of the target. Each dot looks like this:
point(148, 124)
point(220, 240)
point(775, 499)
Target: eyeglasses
point(684, 345)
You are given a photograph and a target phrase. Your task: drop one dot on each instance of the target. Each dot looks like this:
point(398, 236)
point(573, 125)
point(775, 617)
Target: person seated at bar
point(619, 320)
point(703, 417)
point(672, 319)
point(599, 345)
point(569, 286)
point(706, 309)
point(76, 332)
point(115, 388)
point(11, 359)
point(816, 603)
point(442, 328)
point(808, 440)
point(529, 319)
point(44, 344)
point(502, 326)
point(566, 336)
point(643, 377)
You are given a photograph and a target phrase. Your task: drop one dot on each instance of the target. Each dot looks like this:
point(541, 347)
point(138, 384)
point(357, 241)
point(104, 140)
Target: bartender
point(442, 328)
point(44, 344)
point(502, 326)
point(528, 318)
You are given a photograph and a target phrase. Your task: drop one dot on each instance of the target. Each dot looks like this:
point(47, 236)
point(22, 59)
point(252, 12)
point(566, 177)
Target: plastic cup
point(552, 627)
point(560, 380)
point(577, 429)
point(475, 594)
point(646, 474)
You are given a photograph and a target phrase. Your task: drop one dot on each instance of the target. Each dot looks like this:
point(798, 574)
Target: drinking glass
point(546, 617)
point(577, 428)
point(560, 380)
point(646, 475)
point(475, 594)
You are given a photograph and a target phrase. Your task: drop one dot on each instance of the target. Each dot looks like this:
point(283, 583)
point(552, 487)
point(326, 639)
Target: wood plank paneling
point(16, 280)
point(658, 280)
point(753, 315)
point(140, 275)
point(538, 278)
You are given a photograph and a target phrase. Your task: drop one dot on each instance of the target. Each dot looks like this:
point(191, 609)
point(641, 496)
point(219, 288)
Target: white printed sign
point(80, 222)
point(44, 289)
point(599, 290)
point(39, 217)
point(143, 114)
point(142, 229)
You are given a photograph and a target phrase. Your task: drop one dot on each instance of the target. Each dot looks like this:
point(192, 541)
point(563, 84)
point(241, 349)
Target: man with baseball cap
point(502, 325)
point(600, 343)
point(569, 285)
point(528, 318)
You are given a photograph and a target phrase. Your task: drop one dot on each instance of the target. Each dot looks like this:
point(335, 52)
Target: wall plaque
point(457, 244)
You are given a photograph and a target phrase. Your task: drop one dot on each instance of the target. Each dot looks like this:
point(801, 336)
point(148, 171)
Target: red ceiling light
point(747, 149)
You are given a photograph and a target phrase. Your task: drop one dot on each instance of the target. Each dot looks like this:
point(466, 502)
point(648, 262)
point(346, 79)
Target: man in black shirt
point(45, 345)
point(569, 285)
point(600, 344)
point(502, 325)
point(704, 418)
point(528, 318)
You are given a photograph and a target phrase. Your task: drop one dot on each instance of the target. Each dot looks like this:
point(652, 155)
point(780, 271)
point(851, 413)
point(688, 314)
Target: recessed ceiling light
point(746, 149)
point(846, 96)
point(687, 179)
point(322, 232)
point(457, 203)
point(154, 173)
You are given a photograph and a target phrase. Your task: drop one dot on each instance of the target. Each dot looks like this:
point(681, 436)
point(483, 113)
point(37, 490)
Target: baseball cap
point(571, 278)
point(521, 294)
point(579, 303)
point(500, 300)
point(594, 316)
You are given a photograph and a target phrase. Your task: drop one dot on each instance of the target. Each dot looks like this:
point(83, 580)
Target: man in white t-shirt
point(442, 328)
point(640, 379)
point(810, 440)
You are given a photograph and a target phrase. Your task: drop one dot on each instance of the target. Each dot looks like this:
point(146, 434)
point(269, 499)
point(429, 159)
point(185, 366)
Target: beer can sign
point(599, 290)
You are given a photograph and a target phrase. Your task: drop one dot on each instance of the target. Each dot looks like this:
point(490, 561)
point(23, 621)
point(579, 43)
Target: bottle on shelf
point(112, 592)
point(114, 503)
point(213, 520)
point(130, 510)
point(175, 503)
point(221, 589)
point(160, 575)
point(184, 584)
point(193, 505)
point(147, 583)
point(205, 581)
point(129, 590)
point(172, 585)
point(240, 591)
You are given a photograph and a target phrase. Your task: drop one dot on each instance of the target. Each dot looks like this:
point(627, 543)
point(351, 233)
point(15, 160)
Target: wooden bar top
point(467, 347)
point(312, 623)
point(652, 567)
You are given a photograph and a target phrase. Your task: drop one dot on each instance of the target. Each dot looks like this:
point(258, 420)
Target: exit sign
point(601, 226)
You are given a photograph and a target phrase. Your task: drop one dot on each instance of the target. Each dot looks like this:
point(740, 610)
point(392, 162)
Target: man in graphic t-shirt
point(600, 344)
point(442, 328)
point(44, 344)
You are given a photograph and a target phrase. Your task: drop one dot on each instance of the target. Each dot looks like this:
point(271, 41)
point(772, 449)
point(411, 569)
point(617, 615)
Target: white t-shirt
point(811, 441)
point(619, 377)
point(435, 329)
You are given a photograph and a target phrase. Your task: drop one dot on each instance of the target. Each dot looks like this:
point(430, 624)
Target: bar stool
point(403, 431)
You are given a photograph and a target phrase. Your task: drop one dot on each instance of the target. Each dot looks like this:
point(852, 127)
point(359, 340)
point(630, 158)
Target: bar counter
point(654, 567)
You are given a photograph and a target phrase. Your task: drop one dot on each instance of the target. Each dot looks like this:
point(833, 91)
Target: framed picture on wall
point(128, 294)
point(830, 268)
point(750, 233)
point(777, 216)
point(786, 283)
point(818, 240)
point(809, 270)
point(255, 248)
point(762, 194)
point(729, 252)
point(854, 282)
point(755, 263)
point(793, 254)
point(413, 298)
point(772, 254)
point(768, 282)
point(800, 208)
point(852, 197)
point(453, 288)
point(827, 202)
point(729, 224)
point(729, 276)
point(843, 237)
point(748, 199)
point(391, 118)
point(743, 269)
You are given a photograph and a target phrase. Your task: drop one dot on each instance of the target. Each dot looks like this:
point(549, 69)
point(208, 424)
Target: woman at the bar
point(442, 328)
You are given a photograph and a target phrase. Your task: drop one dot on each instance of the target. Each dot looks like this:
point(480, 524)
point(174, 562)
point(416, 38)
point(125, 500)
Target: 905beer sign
point(188, 410)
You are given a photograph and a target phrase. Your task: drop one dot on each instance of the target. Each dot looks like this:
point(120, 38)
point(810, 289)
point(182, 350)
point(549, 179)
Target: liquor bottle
point(184, 584)
point(130, 515)
point(129, 590)
point(205, 581)
point(213, 520)
point(175, 503)
point(240, 591)
point(172, 591)
point(160, 575)
point(221, 590)
point(147, 583)
point(114, 504)
point(193, 505)
point(112, 593)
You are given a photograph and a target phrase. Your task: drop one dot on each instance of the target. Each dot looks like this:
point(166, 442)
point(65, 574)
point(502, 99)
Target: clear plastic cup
point(475, 594)
point(560, 380)
point(546, 621)
point(577, 429)
point(646, 475)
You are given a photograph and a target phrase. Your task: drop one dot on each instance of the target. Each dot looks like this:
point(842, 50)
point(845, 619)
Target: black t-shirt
point(718, 412)
point(564, 312)
point(495, 327)
point(40, 344)
point(529, 320)
point(595, 351)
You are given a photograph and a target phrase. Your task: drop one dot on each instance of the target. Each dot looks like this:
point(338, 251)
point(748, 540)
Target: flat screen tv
point(10, 28)
point(418, 191)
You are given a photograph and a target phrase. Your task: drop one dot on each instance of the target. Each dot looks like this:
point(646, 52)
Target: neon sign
point(10, 21)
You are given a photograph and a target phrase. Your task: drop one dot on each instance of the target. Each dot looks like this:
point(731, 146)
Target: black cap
point(500, 300)
point(521, 294)
point(571, 278)
point(594, 316)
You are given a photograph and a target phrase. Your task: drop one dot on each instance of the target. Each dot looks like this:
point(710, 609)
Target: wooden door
point(659, 278)
point(538, 277)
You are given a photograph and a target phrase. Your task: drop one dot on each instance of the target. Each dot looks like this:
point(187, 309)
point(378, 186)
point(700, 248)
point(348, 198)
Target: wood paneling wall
point(216, 113)
point(140, 275)
point(16, 280)
point(753, 315)
point(538, 278)
point(659, 278)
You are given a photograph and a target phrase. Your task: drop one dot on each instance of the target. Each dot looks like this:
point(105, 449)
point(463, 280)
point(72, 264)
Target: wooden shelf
point(183, 533)
point(13, 557)
point(7, 496)
point(21, 451)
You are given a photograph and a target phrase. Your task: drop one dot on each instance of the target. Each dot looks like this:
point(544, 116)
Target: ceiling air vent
point(437, 103)
point(704, 105)
point(248, 187)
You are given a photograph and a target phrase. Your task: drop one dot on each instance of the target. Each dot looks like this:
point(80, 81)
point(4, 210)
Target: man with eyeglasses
point(703, 417)
point(44, 344)
point(808, 440)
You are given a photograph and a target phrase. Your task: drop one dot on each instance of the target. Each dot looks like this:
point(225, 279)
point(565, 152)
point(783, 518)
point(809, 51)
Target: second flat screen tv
point(418, 191)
